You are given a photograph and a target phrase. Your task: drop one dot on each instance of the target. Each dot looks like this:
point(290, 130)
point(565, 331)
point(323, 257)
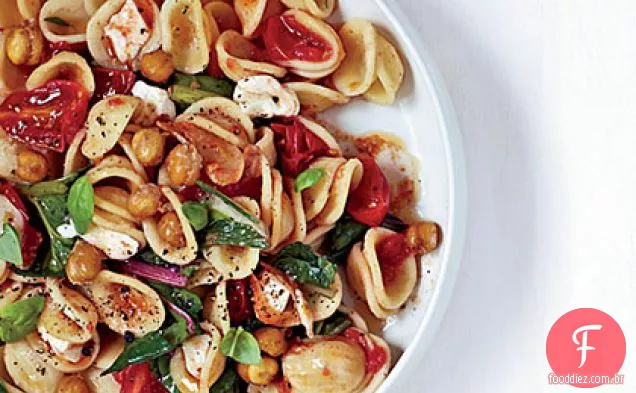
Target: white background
point(545, 92)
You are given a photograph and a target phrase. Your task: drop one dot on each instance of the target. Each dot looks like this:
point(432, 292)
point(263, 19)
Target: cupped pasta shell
point(113, 200)
point(358, 71)
point(231, 261)
point(322, 133)
point(315, 197)
point(390, 74)
point(106, 122)
point(177, 255)
point(252, 13)
point(61, 361)
point(27, 371)
point(64, 65)
point(125, 141)
point(191, 376)
point(283, 221)
point(215, 308)
point(98, 42)
point(126, 304)
point(324, 302)
point(71, 11)
point(113, 222)
point(114, 166)
point(223, 14)
point(101, 383)
point(365, 276)
point(346, 178)
point(10, 291)
point(319, 8)
point(316, 98)
point(74, 160)
point(92, 6)
point(112, 345)
point(226, 119)
point(235, 54)
point(183, 35)
point(266, 142)
point(316, 69)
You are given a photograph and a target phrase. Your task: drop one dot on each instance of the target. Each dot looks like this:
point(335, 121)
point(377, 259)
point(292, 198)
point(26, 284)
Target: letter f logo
point(583, 344)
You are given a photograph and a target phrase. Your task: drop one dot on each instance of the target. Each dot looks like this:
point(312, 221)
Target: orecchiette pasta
point(358, 71)
point(240, 58)
point(252, 13)
point(183, 21)
point(73, 13)
point(64, 65)
point(319, 8)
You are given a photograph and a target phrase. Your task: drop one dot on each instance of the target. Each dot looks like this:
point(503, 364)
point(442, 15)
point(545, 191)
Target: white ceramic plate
point(423, 118)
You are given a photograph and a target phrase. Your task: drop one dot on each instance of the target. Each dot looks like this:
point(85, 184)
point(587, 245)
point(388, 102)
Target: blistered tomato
point(392, 251)
point(286, 39)
point(31, 238)
point(369, 203)
point(376, 356)
point(110, 81)
point(138, 378)
point(238, 301)
point(297, 146)
point(48, 116)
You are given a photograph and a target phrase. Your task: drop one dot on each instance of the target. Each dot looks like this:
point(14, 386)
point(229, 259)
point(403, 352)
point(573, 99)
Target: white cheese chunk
point(127, 31)
point(276, 292)
point(63, 348)
point(157, 103)
point(263, 96)
point(115, 245)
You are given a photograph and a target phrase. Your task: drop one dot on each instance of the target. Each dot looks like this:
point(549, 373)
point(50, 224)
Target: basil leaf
point(197, 214)
point(227, 383)
point(300, 262)
point(308, 178)
point(3, 388)
point(148, 347)
point(217, 201)
point(241, 346)
point(161, 369)
point(346, 233)
point(57, 20)
point(184, 299)
point(176, 333)
point(51, 187)
point(227, 232)
point(20, 318)
point(10, 249)
point(222, 87)
point(81, 203)
point(333, 325)
point(149, 256)
point(189, 271)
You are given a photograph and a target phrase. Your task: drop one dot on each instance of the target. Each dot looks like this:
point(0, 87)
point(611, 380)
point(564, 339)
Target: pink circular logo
point(586, 348)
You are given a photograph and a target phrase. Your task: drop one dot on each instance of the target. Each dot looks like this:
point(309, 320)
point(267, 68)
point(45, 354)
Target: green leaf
point(20, 318)
point(300, 262)
point(52, 210)
point(176, 333)
point(189, 271)
point(143, 349)
point(224, 204)
point(3, 388)
point(227, 383)
point(346, 233)
point(241, 346)
point(222, 87)
point(10, 250)
point(197, 214)
point(51, 187)
point(308, 178)
point(184, 299)
point(81, 203)
point(332, 326)
point(161, 369)
point(227, 232)
point(57, 20)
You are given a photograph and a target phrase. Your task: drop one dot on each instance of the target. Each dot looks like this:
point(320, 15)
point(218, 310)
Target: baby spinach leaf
point(176, 333)
point(20, 318)
point(227, 383)
point(346, 233)
point(57, 20)
point(197, 214)
point(51, 187)
point(241, 346)
point(10, 250)
point(148, 347)
point(300, 262)
point(161, 368)
point(216, 200)
point(184, 299)
point(3, 389)
point(223, 87)
point(232, 233)
point(81, 203)
point(333, 325)
point(308, 178)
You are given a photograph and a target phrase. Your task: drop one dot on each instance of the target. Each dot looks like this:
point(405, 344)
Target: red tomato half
point(297, 145)
point(138, 378)
point(369, 203)
point(286, 39)
point(392, 252)
point(238, 299)
point(376, 356)
point(48, 116)
point(31, 238)
point(110, 81)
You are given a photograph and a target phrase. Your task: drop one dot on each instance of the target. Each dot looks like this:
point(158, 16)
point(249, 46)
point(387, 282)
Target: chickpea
point(170, 230)
point(73, 384)
point(83, 263)
point(271, 340)
point(157, 66)
point(32, 166)
point(149, 145)
point(259, 374)
point(184, 164)
point(423, 237)
point(24, 46)
point(145, 201)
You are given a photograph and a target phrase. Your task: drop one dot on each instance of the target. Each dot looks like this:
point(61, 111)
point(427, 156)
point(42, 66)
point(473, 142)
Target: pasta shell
point(71, 11)
point(265, 141)
point(29, 9)
point(390, 74)
point(282, 212)
point(74, 160)
point(319, 8)
point(71, 359)
point(300, 221)
point(252, 13)
point(126, 304)
point(64, 65)
point(358, 71)
point(316, 98)
point(115, 166)
point(99, 43)
point(102, 384)
point(104, 222)
point(236, 56)
point(92, 6)
point(27, 371)
point(10, 291)
point(315, 197)
point(228, 121)
point(322, 133)
point(182, 21)
point(199, 363)
point(113, 200)
point(125, 141)
point(346, 178)
point(223, 15)
point(215, 308)
point(324, 302)
point(112, 345)
point(231, 261)
point(106, 122)
point(10, 15)
point(365, 276)
point(177, 255)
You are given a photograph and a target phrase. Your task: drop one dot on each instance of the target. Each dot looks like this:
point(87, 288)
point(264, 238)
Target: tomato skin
point(48, 116)
point(111, 81)
point(286, 39)
point(376, 356)
point(138, 378)
point(392, 251)
point(239, 304)
point(250, 187)
point(297, 146)
point(369, 203)
point(31, 238)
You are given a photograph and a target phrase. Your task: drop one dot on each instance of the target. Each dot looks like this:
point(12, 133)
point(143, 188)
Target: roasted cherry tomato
point(48, 116)
point(110, 81)
point(249, 187)
point(238, 301)
point(31, 238)
point(369, 203)
point(376, 356)
point(286, 39)
point(138, 378)
point(214, 70)
point(392, 251)
point(297, 145)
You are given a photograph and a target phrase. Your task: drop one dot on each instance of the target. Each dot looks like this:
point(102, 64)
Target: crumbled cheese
point(276, 292)
point(67, 230)
point(264, 96)
point(127, 31)
point(157, 103)
point(194, 353)
point(63, 348)
point(115, 245)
